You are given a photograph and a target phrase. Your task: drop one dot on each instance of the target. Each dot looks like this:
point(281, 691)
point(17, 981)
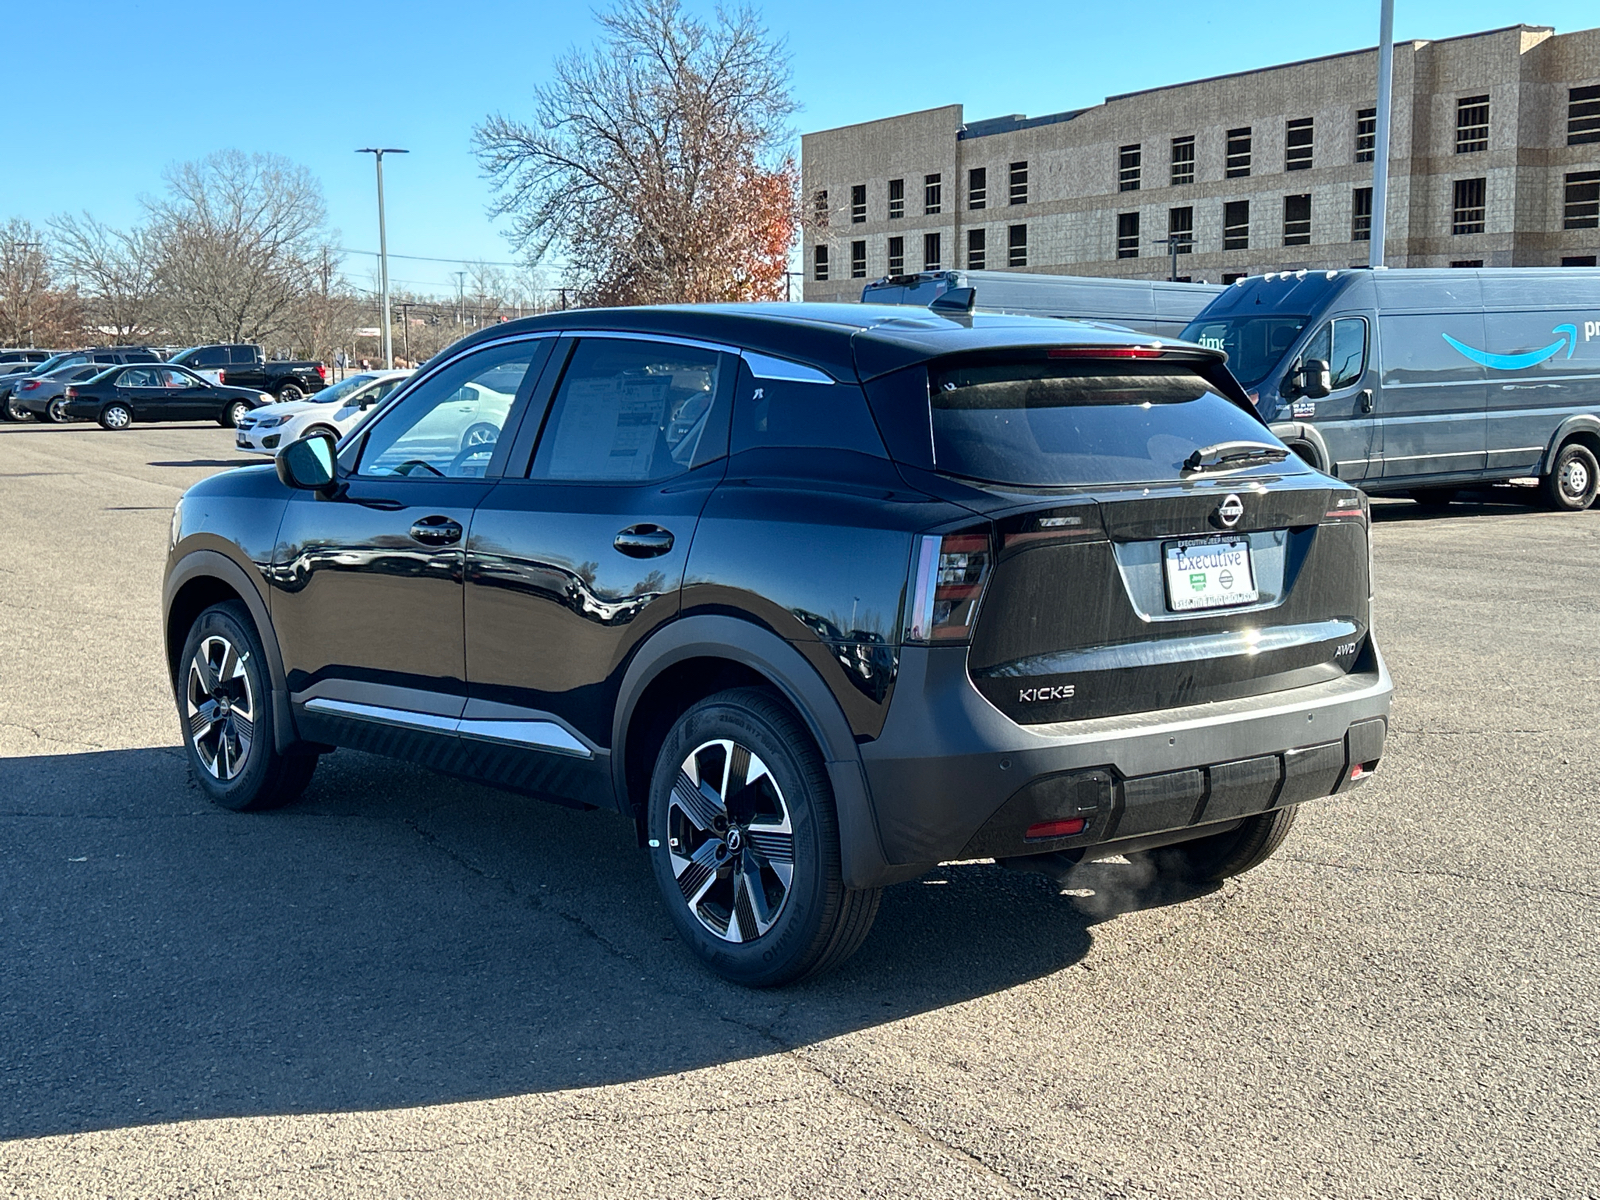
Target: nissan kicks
point(818, 596)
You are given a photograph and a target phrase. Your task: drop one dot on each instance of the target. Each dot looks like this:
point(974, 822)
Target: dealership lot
point(410, 985)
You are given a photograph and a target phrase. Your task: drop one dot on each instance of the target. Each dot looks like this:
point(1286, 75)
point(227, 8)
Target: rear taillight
point(322, 373)
point(950, 575)
point(222, 377)
point(1107, 352)
point(70, 394)
point(30, 385)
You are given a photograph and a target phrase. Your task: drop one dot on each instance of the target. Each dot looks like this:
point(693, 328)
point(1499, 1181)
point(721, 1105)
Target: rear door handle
point(643, 541)
point(436, 531)
point(1366, 400)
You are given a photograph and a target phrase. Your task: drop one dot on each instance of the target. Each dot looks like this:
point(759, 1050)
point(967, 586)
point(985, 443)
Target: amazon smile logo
point(1517, 362)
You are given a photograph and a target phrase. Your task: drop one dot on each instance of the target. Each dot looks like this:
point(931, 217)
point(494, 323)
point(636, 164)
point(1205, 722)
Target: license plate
point(1214, 573)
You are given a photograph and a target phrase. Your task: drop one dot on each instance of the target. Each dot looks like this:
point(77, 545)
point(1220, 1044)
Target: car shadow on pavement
point(1469, 502)
point(399, 938)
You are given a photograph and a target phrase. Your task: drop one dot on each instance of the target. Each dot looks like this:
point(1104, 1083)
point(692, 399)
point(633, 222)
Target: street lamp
point(1173, 243)
point(383, 252)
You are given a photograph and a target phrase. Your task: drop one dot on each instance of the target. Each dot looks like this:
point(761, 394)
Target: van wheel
point(1573, 479)
point(1223, 855)
point(1434, 497)
point(744, 840)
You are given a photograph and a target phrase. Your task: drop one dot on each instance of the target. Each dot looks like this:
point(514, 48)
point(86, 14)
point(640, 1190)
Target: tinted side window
point(209, 359)
point(770, 413)
point(450, 425)
point(1342, 344)
point(241, 355)
point(140, 378)
point(628, 411)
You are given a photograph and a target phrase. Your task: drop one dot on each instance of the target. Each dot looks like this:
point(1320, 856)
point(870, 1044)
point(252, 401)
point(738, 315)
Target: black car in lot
point(11, 408)
point(158, 392)
point(819, 596)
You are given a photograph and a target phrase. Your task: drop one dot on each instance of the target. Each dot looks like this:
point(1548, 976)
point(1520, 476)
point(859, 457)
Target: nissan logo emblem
point(1230, 510)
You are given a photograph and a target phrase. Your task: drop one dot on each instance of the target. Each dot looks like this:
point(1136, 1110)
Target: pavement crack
point(1463, 876)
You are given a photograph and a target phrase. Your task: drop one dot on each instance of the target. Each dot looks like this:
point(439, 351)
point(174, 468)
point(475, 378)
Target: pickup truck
point(243, 365)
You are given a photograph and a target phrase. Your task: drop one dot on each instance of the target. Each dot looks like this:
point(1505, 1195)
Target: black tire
point(230, 746)
point(12, 410)
point(314, 430)
point(1306, 454)
point(1434, 497)
point(812, 924)
point(231, 414)
point(289, 392)
point(1223, 855)
point(115, 417)
point(1573, 480)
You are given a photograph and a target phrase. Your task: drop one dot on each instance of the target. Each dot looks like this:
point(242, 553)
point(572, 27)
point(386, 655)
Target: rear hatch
point(1148, 543)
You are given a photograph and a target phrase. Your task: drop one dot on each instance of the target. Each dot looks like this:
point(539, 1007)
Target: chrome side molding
point(532, 734)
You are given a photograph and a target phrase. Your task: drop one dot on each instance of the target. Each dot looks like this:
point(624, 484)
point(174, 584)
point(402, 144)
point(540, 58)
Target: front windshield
point(1254, 344)
point(343, 389)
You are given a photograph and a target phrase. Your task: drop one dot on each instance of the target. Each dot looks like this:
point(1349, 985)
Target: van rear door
point(1431, 404)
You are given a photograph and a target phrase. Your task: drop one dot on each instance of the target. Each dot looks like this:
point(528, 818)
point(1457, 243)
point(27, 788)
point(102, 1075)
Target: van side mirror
point(1315, 380)
point(307, 464)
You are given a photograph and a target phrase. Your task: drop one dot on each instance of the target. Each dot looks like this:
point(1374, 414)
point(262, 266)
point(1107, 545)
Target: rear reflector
point(1107, 352)
point(1055, 829)
point(1362, 770)
point(322, 373)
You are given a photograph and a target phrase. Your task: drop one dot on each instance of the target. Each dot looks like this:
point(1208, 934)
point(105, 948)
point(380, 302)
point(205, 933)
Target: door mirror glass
point(307, 463)
point(1315, 379)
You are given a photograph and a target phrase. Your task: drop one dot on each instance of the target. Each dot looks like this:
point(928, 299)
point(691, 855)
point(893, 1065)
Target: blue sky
point(144, 83)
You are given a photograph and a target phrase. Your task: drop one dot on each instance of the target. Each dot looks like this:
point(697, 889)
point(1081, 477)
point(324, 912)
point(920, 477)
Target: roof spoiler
point(956, 302)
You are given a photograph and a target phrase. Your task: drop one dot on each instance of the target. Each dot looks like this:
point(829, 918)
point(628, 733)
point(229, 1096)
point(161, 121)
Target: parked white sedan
point(335, 410)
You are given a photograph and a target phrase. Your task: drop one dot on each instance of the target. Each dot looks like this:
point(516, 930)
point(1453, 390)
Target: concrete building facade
point(1494, 161)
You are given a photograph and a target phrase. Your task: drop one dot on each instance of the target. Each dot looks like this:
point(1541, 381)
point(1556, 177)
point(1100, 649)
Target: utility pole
point(383, 251)
point(405, 307)
point(461, 291)
point(1380, 146)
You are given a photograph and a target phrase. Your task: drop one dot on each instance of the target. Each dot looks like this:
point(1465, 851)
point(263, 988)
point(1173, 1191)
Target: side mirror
point(307, 464)
point(1315, 380)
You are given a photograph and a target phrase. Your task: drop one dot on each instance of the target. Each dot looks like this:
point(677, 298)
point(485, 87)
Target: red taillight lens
point(222, 377)
point(322, 373)
point(30, 385)
point(951, 573)
point(71, 393)
point(1056, 829)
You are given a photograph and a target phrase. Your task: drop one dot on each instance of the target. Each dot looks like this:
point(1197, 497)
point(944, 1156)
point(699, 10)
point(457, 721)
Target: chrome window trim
point(765, 366)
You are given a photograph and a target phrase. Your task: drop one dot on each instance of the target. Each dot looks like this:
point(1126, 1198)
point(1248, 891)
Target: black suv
point(820, 596)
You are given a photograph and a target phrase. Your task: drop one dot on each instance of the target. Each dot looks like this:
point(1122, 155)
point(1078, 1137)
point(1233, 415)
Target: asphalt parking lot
point(408, 985)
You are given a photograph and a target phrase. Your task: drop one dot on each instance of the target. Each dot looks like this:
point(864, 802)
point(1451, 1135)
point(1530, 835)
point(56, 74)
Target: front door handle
point(436, 531)
point(1366, 400)
point(643, 541)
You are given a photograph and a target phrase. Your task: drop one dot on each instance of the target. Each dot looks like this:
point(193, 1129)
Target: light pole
point(1173, 242)
point(383, 251)
point(1380, 143)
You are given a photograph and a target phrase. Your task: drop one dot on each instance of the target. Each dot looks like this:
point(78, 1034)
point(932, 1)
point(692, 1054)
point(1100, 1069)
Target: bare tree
point(239, 240)
point(114, 272)
point(33, 309)
point(655, 162)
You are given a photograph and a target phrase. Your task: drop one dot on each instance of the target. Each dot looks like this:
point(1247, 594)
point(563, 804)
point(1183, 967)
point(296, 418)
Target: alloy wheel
point(220, 705)
point(57, 411)
point(730, 840)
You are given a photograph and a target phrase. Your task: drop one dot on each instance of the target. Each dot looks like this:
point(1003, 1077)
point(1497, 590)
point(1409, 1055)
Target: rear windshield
point(1254, 344)
point(1041, 422)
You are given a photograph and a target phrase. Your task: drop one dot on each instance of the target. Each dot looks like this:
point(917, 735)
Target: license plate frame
point(1208, 583)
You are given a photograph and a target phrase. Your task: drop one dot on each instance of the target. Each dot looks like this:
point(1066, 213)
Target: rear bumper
point(952, 777)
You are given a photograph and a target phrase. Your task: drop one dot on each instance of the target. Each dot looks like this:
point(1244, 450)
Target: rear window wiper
point(1234, 454)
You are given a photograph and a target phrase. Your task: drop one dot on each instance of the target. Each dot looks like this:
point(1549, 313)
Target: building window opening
point(1297, 145)
point(897, 256)
point(1129, 159)
point(1366, 134)
point(932, 195)
point(1467, 263)
point(1017, 246)
point(1297, 220)
point(858, 204)
point(1472, 124)
point(1238, 165)
point(1361, 215)
point(1578, 260)
point(1182, 160)
point(978, 188)
point(819, 209)
point(820, 264)
point(1180, 230)
point(1469, 206)
point(1019, 183)
point(930, 252)
point(1236, 225)
point(975, 249)
point(897, 199)
point(1583, 200)
point(858, 260)
point(1128, 235)
point(1583, 115)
